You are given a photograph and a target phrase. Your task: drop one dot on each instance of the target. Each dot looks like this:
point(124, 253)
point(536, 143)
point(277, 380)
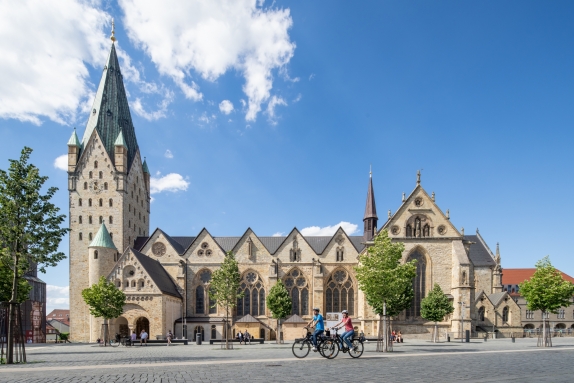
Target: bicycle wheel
point(330, 349)
point(357, 349)
point(301, 349)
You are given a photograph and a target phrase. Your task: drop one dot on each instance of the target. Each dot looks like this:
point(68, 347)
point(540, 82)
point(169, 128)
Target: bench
point(164, 341)
point(235, 340)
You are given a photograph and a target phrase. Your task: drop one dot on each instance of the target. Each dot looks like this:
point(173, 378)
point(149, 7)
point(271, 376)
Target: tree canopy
point(383, 278)
point(279, 301)
point(6, 281)
point(546, 290)
point(104, 299)
point(436, 305)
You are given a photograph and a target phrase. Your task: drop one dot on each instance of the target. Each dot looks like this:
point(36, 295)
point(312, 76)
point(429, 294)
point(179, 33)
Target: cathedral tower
point(370, 219)
point(107, 181)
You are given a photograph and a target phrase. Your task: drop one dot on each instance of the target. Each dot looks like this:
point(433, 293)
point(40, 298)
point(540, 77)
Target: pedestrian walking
point(143, 338)
point(247, 337)
point(169, 337)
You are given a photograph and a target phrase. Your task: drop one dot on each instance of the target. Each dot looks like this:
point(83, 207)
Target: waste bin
point(448, 338)
point(467, 336)
point(198, 339)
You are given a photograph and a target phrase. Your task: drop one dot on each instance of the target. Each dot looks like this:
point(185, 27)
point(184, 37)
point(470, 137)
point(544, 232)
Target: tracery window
point(298, 288)
point(339, 293)
point(253, 300)
point(202, 294)
point(505, 311)
point(419, 283)
point(481, 314)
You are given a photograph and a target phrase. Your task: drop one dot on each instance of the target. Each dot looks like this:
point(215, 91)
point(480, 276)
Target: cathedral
point(166, 278)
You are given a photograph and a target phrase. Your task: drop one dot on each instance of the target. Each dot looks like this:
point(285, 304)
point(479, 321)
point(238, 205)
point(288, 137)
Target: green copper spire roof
point(103, 239)
point(145, 168)
point(120, 140)
point(110, 112)
point(74, 141)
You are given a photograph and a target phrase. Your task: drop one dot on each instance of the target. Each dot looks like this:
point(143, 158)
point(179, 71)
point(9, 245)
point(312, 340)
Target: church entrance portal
point(122, 327)
point(196, 330)
point(142, 323)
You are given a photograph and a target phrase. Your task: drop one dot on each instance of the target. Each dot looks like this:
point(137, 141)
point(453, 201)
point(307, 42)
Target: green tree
point(105, 301)
point(546, 291)
point(435, 306)
point(30, 231)
point(6, 280)
point(224, 288)
point(279, 303)
point(385, 281)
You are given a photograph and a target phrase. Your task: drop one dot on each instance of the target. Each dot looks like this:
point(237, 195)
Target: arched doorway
point(213, 331)
point(142, 323)
point(122, 327)
point(196, 330)
point(262, 333)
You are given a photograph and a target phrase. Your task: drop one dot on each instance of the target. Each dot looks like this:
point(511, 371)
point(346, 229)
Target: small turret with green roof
point(74, 141)
point(103, 239)
point(120, 140)
point(145, 168)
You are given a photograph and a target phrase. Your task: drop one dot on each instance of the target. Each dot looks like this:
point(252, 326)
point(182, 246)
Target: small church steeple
point(370, 219)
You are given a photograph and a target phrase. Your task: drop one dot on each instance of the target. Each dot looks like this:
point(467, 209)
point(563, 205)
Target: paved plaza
point(416, 361)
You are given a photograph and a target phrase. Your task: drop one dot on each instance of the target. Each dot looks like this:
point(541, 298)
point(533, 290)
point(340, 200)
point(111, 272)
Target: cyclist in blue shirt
point(319, 325)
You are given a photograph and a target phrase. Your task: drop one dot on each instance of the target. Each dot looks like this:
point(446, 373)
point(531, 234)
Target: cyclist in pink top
point(349, 331)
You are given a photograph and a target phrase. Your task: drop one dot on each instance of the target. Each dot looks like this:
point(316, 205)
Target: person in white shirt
point(143, 337)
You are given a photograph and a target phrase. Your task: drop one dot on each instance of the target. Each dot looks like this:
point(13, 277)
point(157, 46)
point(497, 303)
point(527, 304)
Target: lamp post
point(462, 306)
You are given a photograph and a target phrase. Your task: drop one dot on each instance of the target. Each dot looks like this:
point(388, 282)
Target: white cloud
point(298, 98)
point(44, 74)
point(61, 162)
point(138, 107)
point(311, 76)
point(57, 297)
point(226, 107)
point(271, 108)
point(172, 182)
point(350, 228)
point(212, 37)
point(278, 234)
point(168, 154)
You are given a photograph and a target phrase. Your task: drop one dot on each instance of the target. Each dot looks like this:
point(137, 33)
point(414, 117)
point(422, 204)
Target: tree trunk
point(227, 327)
point(385, 332)
point(12, 315)
point(435, 332)
point(543, 330)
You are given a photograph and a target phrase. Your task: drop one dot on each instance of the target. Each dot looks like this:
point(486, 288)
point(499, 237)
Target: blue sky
point(477, 94)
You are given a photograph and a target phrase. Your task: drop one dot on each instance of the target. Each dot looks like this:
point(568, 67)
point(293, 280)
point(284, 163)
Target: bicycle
point(302, 346)
point(357, 343)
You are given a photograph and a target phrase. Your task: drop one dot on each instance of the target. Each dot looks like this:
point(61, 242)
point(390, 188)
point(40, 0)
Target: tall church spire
point(370, 219)
point(110, 113)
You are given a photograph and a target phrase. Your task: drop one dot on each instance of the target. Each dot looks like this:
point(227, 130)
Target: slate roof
point(496, 297)
point(248, 319)
point(318, 244)
point(295, 319)
point(110, 112)
point(480, 254)
point(157, 273)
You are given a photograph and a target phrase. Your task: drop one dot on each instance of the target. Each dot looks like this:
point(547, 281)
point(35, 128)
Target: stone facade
point(166, 279)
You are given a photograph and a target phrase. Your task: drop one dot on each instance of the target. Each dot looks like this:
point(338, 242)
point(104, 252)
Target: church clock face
point(95, 187)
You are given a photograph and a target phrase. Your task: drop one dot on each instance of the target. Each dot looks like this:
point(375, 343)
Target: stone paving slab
point(493, 361)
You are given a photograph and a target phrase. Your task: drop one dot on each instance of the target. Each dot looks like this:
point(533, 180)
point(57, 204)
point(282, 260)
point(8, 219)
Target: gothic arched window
point(339, 293)
point(90, 175)
point(85, 186)
point(481, 314)
point(111, 219)
point(419, 284)
point(253, 300)
point(111, 202)
point(202, 294)
point(298, 288)
point(505, 311)
point(96, 254)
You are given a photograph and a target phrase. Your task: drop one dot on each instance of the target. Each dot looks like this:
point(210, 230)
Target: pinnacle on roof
point(145, 168)
point(370, 208)
point(120, 140)
point(103, 239)
point(110, 111)
point(74, 141)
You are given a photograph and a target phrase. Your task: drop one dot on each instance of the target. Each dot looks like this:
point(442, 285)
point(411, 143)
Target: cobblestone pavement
point(417, 361)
